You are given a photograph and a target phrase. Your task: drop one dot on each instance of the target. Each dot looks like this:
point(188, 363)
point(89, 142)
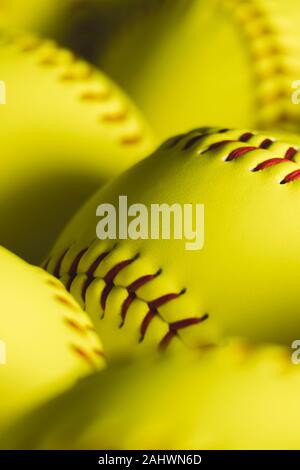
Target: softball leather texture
point(66, 129)
point(143, 294)
point(210, 62)
point(214, 401)
point(50, 342)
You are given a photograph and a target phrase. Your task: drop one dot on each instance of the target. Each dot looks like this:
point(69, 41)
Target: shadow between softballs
point(32, 217)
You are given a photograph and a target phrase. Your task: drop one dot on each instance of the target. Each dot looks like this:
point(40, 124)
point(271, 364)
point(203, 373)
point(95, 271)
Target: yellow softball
point(65, 129)
point(229, 398)
point(205, 245)
point(31, 15)
point(47, 342)
point(211, 62)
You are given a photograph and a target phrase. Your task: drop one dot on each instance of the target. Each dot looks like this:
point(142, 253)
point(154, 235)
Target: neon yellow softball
point(224, 261)
point(47, 342)
point(65, 129)
point(210, 62)
point(230, 398)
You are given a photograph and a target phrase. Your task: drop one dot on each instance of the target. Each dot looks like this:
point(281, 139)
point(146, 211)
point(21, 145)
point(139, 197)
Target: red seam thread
point(270, 162)
point(153, 311)
point(246, 136)
point(84, 355)
point(132, 288)
point(291, 177)
point(289, 154)
point(239, 153)
point(174, 327)
point(266, 144)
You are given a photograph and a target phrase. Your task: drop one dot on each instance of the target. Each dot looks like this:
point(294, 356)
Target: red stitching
point(239, 153)
point(194, 140)
point(146, 323)
point(66, 302)
point(109, 278)
point(112, 274)
point(73, 268)
point(75, 326)
point(132, 288)
point(153, 310)
point(173, 141)
point(246, 136)
point(270, 162)
point(105, 293)
point(174, 327)
point(291, 177)
point(97, 263)
point(290, 153)
point(73, 323)
point(57, 269)
point(153, 305)
point(217, 145)
point(70, 74)
point(84, 355)
point(265, 145)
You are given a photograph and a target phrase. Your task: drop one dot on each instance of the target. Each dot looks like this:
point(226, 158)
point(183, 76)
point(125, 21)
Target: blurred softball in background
point(49, 342)
point(211, 62)
point(233, 397)
point(85, 26)
point(65, 130)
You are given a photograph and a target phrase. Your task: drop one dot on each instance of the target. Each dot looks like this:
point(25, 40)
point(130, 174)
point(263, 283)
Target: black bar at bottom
point(132, 459)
